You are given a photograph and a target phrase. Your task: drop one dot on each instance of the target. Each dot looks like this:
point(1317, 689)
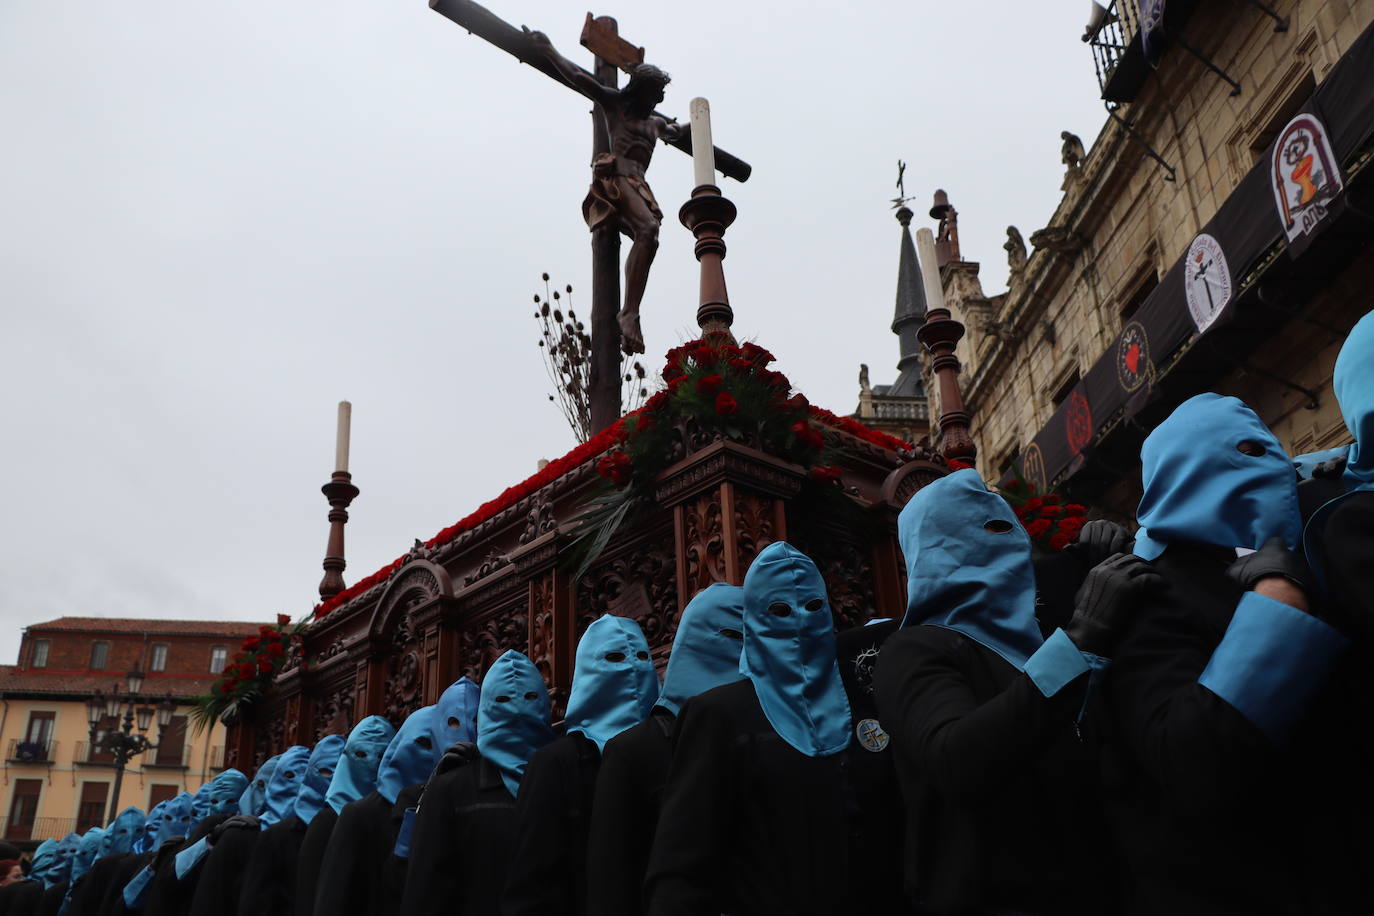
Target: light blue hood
point(123, 831)
point(147, 836)
point(411, 756)
point(66, 852)
point(614, 683)
point(319, 771)
point(176, 818)
point(87, 851)
point(254, 798)
point(456, 718)
point(512, 716)
point(44, 858)
point(225, 791)
point(706, 649)
point(789, 651)
point(1354, 384)
point(356, 774)
point(284, 785)
point(962, 576)
point(1199, 486)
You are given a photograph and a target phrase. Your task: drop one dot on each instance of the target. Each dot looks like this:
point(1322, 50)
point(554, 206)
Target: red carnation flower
point(615, 467)
point(226, 687)
point(826, 473)
point(283, 620)
point(726, 405)
point(672, 370)
point(756, 354)
point(264, 665)
point(708, 385)
point(1074, 509)
point(1038, 528)
point(1051, 499)
point(275, 650)
point(1060, 541)
point(1034, 503)
point(1051, 511)
point(741, 365)
point(1071, 526)
point(251, 643)
point(798, 402)
point(703, 355)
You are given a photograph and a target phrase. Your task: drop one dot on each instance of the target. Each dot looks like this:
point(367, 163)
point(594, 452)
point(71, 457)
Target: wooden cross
point(612, 54)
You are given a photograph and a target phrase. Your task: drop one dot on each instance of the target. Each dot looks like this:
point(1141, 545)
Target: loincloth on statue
point(603, 201)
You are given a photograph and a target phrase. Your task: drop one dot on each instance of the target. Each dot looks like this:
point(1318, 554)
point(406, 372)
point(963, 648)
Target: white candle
point(930, 269)
point(703, 153)
point(341, 439)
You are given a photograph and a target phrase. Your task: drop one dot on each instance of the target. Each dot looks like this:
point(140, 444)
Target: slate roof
point(84, 683)
point(231, 629)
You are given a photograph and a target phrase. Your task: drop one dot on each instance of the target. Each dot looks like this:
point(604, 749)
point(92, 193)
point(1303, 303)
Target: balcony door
point(23, 809)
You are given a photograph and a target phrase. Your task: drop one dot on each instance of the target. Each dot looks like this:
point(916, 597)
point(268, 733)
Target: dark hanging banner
point(1152, 30)
point(1289, 197)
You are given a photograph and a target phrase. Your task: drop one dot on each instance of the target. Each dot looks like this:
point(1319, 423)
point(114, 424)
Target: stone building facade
point(54, 781)
point(1186, 150)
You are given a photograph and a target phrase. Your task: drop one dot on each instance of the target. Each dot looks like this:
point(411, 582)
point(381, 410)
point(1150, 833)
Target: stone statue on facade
point(1015, 246)
point(1072, 152)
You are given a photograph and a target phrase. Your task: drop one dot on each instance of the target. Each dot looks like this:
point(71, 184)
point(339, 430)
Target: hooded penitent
point(614, 683)
point(284, 785)
point(789, 651)
point(176, 819)
point(225, 790)
point(1354, 384)
point(456, 718)
point(123, 831)
point(44, 858)
point(147, 838)
point(1213, 473)
point(968, 563)
point(706, 649)
point(87, 851)
point(203, 800)
point(66, 852)
point(356, 773)
point(319, 770)
point(411, 755)
point(254, 797)
point(512, 716)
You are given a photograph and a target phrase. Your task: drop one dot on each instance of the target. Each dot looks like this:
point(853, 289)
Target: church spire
point(910, 312)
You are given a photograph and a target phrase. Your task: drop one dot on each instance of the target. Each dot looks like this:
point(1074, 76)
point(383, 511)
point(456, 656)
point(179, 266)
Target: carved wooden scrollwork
point(754, 525)
point(641, 585)
point(418, 582)
point(334, 713)
point(486, 643)
point(538, 521)
point(541, 625)
point(902, 484)
point(704, 541)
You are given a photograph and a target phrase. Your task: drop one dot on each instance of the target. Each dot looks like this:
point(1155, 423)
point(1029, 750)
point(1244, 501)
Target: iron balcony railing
point(1117, 55)
point(37, 829)
point(89, 754)
point(41, 753)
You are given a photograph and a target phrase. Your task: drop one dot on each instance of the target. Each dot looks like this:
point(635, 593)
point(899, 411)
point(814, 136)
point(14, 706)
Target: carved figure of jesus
point(620, 197)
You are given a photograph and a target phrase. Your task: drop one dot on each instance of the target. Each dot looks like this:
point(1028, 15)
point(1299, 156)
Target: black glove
point(1099, 540)
point(1273, 559)
point(1330, 469)
point(1105, 600)
point(236, 822)
point(455, 756)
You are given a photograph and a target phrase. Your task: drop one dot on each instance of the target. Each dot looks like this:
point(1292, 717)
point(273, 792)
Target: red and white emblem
point(1305, 175)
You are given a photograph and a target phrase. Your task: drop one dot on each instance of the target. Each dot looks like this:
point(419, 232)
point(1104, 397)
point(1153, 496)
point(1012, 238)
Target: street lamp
point(121, 743)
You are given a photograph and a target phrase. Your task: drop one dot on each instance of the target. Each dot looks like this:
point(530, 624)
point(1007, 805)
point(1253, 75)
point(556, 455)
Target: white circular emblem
point(871, 735)
point(1206, 281)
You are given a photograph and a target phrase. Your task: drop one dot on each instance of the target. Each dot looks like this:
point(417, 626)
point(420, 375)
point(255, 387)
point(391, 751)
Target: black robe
point(872, 794)
point(750, 826)
point(359, 873)
point(127, 868)
point(89, 893)
point(311, 857)
point(269, 887)
point(169, 895)
point(548, 873)
point(629, 795)
point(52, 899)
point(22, 898)
point(222, 872)
point(461, 844)
point(1348, 557)
point(1215, 817)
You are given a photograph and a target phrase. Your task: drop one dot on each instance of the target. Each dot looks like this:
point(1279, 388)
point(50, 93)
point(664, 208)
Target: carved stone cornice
point(722, 461)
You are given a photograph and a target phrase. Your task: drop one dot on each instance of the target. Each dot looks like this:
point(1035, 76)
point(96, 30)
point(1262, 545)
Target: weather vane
point(901, 197)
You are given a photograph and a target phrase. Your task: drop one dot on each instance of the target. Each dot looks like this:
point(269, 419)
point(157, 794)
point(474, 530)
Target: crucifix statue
point(626, 128)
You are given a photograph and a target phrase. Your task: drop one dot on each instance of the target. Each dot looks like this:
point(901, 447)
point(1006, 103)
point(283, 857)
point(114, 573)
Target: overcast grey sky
point(217, 221)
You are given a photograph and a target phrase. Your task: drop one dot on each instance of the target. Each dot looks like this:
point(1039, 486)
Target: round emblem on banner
point(1078, 423)
point(871, 735)
point(1033, 467)
point(1133, 365)
point(1206, 281)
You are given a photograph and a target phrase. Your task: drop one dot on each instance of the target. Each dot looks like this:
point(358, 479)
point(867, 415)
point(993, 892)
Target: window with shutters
point(157, 661)
point(100, 655)
point(91, 810)
point(171, 744)
point(40, 653)
point(23, 808)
